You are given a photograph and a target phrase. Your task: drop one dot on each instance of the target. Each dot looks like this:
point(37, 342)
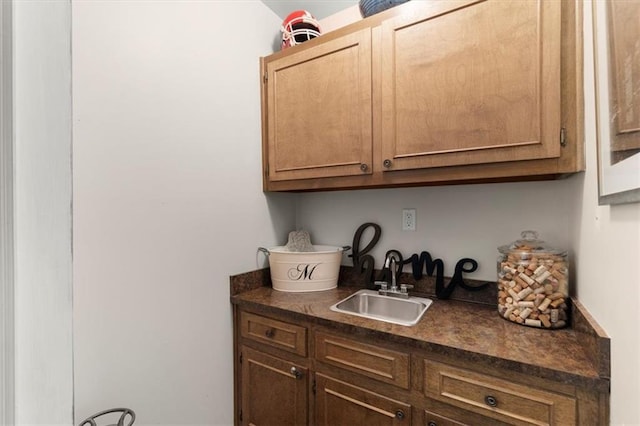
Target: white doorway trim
point(6, 219)
point(42, 194)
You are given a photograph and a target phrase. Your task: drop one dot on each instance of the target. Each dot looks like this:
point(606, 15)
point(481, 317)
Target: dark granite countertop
point(472, 330)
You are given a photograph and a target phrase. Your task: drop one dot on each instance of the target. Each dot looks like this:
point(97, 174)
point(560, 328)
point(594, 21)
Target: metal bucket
point(305, 271)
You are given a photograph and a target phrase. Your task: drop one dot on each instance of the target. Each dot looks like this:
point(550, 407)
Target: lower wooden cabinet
point(274, 391)
point(342, 404)
point(296, 373)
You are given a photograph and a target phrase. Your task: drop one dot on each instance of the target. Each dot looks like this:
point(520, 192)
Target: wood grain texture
point(382, 364)
point(271, 394)
point(355, 367)
point(624, 62)
point(319, 103)
point(472, 84)
point(572, 158)
point(462, 91)
point(448, 415)
point(515, 403)
point(340, 403)
point(282, 335)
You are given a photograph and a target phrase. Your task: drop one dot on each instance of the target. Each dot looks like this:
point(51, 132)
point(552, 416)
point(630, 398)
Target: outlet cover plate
point(408, 219)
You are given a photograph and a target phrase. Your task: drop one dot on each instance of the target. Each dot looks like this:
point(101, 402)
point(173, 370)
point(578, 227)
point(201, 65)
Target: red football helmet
point(299, 27)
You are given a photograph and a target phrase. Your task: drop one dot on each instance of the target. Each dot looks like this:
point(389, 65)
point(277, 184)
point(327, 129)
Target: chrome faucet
point(391, 262)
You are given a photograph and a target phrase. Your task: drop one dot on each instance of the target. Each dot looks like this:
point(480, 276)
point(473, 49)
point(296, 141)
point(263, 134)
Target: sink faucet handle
point(383, 285)
point(405, 287)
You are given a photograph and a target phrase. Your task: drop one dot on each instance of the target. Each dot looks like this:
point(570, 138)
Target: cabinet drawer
point(382, 364)
point(496, 398)
point(279, 334)
point(433, 419)
point(439, 414)
point(340, 403)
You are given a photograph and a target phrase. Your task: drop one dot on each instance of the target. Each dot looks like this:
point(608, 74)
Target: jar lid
point(529, 243)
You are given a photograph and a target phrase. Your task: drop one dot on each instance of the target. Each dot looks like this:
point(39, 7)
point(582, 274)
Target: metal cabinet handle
point(364, 167)
point(296, 373)
point(399, 414)
point(270, 332)
point(386, 163)
point(432, 423)
point(491, 401)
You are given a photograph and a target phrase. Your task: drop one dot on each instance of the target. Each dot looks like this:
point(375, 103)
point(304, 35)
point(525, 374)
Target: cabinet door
point(339, 403)
point(319, 110)
point(274, 391)
point(471, 82)
point(511, 402)
point(381, 364)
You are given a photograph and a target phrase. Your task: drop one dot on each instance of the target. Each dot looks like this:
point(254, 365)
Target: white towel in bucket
point(299, 241)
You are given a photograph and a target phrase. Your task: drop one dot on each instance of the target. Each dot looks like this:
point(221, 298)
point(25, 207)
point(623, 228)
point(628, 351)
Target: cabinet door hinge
point(265, 77)
point(563, 137)
point(313, 387)
point(240, 357)
point(240, 415)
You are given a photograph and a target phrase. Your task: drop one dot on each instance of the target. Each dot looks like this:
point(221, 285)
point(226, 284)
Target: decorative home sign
point(617, 79)
point(364, 263)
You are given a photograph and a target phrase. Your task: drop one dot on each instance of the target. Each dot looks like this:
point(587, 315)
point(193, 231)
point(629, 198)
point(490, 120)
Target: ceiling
point(318, 8)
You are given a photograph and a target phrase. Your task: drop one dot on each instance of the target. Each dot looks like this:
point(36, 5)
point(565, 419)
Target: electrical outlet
point(408, 219)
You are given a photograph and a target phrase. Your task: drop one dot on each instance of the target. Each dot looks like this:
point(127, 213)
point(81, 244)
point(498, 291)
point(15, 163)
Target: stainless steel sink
point(370, 304)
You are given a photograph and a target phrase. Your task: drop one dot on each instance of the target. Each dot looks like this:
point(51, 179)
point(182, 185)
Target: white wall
point(452, 221)
point(167, 201)
point(42, 212)
point(340, 19)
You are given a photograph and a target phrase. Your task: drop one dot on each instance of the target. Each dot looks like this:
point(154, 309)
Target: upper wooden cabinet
point(319, 110)
point(476, 83)
point(428, 92)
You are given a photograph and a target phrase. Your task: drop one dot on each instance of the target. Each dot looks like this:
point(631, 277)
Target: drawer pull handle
point(296, 373)
point(399, 415)
point(491, 401)
point(387, 163)
point(270, 333)
point(432, 423)
point(364, 167)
